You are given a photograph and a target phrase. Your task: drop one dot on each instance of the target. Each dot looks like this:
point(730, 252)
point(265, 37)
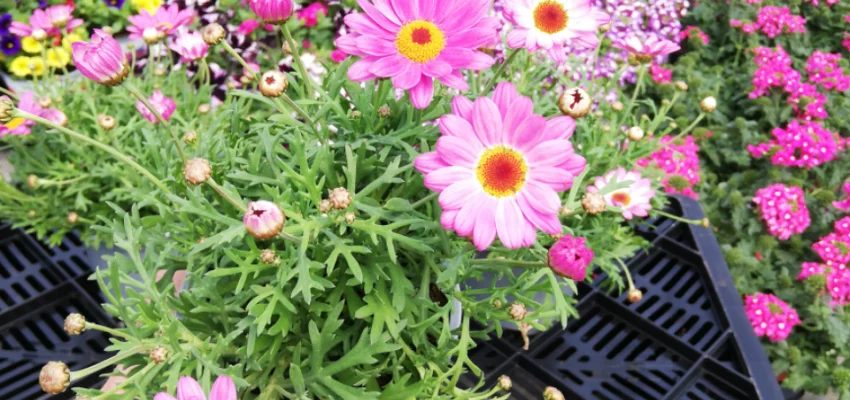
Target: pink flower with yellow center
point(51, 21)
point(20, 126)
point(164, 21)
point(647, 50)
point(189, 389)
point(552, 25)
point(164, 105)
point(628, 191)
point(191, 46)
point(415, 43)
point(499, 167)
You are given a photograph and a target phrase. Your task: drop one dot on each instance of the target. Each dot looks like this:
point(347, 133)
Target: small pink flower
point(272, 11)
point(264, 219)
point(254, 69)
point(676, 159)
point(310, 14)
point(165, 20)
point(570, 257)
point(189, 389)
point(306, 44)
point(649, 48)
point(633, 199)
point(53, 21)
point(55, 116)
point(810, 268)
point(735, 23)
point(844, 205)
point(338, 56)
point(191, 46)
point(802, 145)
point(100, 60)
point(164, 105)
point(783, 209)
point(248, 26)
point(770, 316)
point(20, 126)
point(660, 74)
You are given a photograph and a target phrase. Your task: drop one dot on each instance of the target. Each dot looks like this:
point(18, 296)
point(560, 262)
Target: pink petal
point(407, 10)
point(409, 76)
point(455, 80)
point(359, 71)
point(541, 197)
point(464, 14)
point(386, 8)
point(472, 39)
point(517, 38)
point(428, 162)
point(447, 219)
point(388, 67)
point(505, 95)
point(440, 179)
point(361, 23)
point(461, 106)
point(549, 223)
point(422, 94)
point(559, 128)
point(426, 9)
point(436, 68)
point(550, 153)
point(456, 151)
point(453, 125)
point(460, 58)
point(484, 232)
point(556, 178)
point(487, 121)
point(529, 234)
point(376, 47)
point(458, 194)
point(522, 127)
point(189, 389)
point(380, 18)
point(163, 396)
point(509, 223)
point(465, 220)
point(575, 164)
point(223, 389)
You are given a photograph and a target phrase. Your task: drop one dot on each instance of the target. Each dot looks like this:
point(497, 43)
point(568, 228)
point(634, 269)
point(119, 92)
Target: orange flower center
point(420, 41)
point(621, 199)
point(550, 17)
point(501, 171)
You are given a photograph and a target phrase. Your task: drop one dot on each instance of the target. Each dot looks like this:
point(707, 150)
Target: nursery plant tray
point(688, 338)
point(39, 287)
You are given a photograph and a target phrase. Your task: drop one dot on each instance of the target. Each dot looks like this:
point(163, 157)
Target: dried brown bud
point(635, 295)
point(159, 354)
point(505, 383)
point(197, 171)
point(518, 311)
point(384, 111)
point(325, 206)
point(617, 106)
point(575, 102)
point(32, 181)
point(355, 114)
point(551, 393)
point(340, 198)
point(497, 303)
point(54, 377)
point(75, 324)
point(213, 34)
point(593, 203)
point(73, 217)
point(268, 256)
point(273, 83)
point(350, 217)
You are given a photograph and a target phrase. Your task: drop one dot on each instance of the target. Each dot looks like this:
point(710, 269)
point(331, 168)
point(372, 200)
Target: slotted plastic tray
point(39, 287)
point(688, 338)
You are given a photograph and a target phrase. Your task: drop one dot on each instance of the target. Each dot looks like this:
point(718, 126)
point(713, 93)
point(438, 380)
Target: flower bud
point(617, 106)
point(159, 354)
point(355, 114)
point(518, 311)
point(350, 217)
point(213, 34)
point(635, 295)
point(575, 102)
point(108, 29)
point(197, 171)
point(245, 79)
point(286, 48)
point(264, 219)
point(325, 206)
point(605, 28)
point(75, 324)
point(6, 105)
point(497, 303)
point(73, 218)
point(190, 137)
point(273, 83)
point(593, 203)
point(708, 104)
point(384, 111)
point(505, 383)
point(39, 35)
point(204, 108)
point(45, 102)
point(54, 377)
point(31, 213)
point(268, 256)
point(160, 71)
point(152, 35)
point(706, 223)
point(682, 86)
point(552, 394)
point(32, 181)
point(105, 121)
point(340, 198)
point(635, 134)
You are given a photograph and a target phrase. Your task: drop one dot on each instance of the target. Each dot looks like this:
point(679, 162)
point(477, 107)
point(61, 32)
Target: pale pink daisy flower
point(647, 50)
point(164, 105)
point(415, 43)
point(21, 126)
point(51, 21)
point(633, 199)
point(189, 389)
point(100, 60)
point(499, 167)
point(553, 25)
point(164, 22)
point(191, 46)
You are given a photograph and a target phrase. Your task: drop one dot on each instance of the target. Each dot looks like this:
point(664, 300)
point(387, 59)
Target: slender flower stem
point(236, 203)
point(111, 150)
point(234, 54)
point(113, 332)
point(628, 274)
point(426, 199)
point(75, 375)
point(638, 86)
point(499, 72)
point(296, 55)
point(46, 183)
point(691, 126)
point(510, 263)
point(298, 110)
point(677, 218)
point(8, 93)
point(130, 380)
point(133, 90)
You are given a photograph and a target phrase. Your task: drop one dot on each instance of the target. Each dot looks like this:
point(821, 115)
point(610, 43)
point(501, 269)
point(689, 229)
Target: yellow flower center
point(501, 171)
point(621, 199)
point(550, 17)
point(420, 41)
point(14, 123)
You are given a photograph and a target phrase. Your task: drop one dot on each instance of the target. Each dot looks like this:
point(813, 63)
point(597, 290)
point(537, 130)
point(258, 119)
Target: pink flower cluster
point(692, 31)
point(783, 210)
point(660, 74)
point(770, 316)
point(774, 71)
point(676, 158)
point(310, 14)
point(802, 145)
point(816, 3)
point(823, 69)
point(834, 251)
point(774, 21)
point(28, 103)
point(844, 205)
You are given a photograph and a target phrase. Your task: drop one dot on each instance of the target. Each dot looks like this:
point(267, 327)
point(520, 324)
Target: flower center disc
point(420, 41)
point(501, 171)
point(14, 123)
point(621, 199)
point(550, 17)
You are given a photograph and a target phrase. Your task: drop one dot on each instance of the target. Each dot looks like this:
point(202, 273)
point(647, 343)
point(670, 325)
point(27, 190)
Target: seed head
point(340, 198)
point(106, 122)
point(350, 217)
point(708, 104)
point(32, 181)
point(518, 311)
point(384, 111)
point(325, 206)
point(268, 256)
point(552, 394)
point(635, 295)
point(213, 34)
point(73, 218)
point(159, 354)
point(273, 83)
point(75, 324)
point(635, 133)
point(197, 171)
point(204, 108)
point(617, 106)
point(593, 203)
point(190, 137)
point(45, 102)
point(505, 383)
point(575, 102)
point(54, 377)
point(682, 86)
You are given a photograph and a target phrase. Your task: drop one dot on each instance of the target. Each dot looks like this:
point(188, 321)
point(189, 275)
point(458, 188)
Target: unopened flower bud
point(213, 34)
point(355, 114)
point(159, 354)
point(197, 171)
point(245, 79)
point(6, 106)
point(73, 218)
point(635, 134)
point(350, 217)
point(45, 102)
point(75, 324)
point(575, 102)
point(160, 71)
point(505, 383)
point(273, 83)
point(204, 108)
point(108, 29)
point(152, 35)
point(340, 198)
point(706, 223)
point(681, 85)
point(551, 393)
point(593, 203)
point(285, 48)
point(605, 28)
point(325, 206)
point(497, 303)
point(54, 377)
point(635, 295)
point(518, 311)
point(708, 104)
point(268, 256)
point(617, 106)
point(190, 137)
point(31, 213)
point(384, 111)
point(264, 219)
point(106, 122)
point(565, 211)
point(32, 181)
point(39, 35)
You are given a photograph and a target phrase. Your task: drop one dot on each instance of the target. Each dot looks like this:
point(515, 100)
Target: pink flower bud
point(570, 257)
point(264, 219)
point(272, 11)
point(100, 60)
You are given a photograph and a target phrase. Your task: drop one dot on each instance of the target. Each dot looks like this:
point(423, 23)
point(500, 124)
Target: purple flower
point(5, 21)
point(114, 3)
point(10, 45)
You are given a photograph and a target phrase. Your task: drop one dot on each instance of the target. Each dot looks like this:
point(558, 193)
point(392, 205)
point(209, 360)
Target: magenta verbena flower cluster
point(770, 316)
point(783, 209)
point(678, 159)
point(834, 252)
point(804, 144)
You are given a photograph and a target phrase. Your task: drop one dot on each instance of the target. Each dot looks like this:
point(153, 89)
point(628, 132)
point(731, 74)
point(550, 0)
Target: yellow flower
point(31, 45)
point(70, 38)
point(150, 5)
point(58, 57)
point(37, 65)
point(20, 66)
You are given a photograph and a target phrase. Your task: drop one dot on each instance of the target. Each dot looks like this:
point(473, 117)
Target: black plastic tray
point(39, 287)
point(688, 338)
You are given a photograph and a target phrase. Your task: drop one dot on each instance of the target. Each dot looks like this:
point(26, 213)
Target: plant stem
point(133, 90)
point(113, 332)
point(296, 56)
point(75, 375)
point(111, 150)
point(509, 263)
point(638, 86)
point(424, 200)
point(47, 183)
point(678, 218)
point(238, 204)
point(298, 110)
point(691, 126)
point(234, 54)
point(627, 272)
point(499, 72)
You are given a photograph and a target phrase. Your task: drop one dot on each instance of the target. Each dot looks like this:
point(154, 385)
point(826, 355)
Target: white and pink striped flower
point(553, 25)
point(631, 192)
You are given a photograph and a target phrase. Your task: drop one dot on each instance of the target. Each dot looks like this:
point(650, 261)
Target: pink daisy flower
point(188, 388)
point(554, 25)
point(499, 167)
point(164, 22)
point(310, 14)
point(633, 199)
point(164, 105)
point(648, 49)
point(20, 126)
point(415, 43)
point(191, 46)
point(248, 26)
point(51, 21)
